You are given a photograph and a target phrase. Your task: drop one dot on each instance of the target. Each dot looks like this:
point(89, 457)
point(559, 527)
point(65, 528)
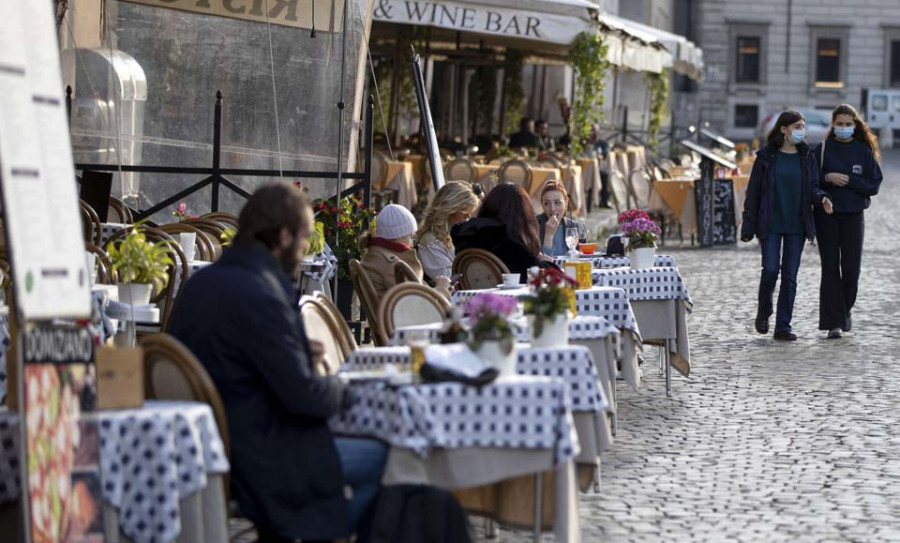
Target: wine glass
point(571, 239)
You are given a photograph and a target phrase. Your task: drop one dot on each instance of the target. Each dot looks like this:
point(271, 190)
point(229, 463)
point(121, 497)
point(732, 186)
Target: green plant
point(489, 317)
point(350, 219)
point(483, 92)
point(550, 298)
point(512, 87)
point(138, 260)
point(658, 86)
point(227, 236)
point(384, 74)
point(589, 58)
point(317, 239)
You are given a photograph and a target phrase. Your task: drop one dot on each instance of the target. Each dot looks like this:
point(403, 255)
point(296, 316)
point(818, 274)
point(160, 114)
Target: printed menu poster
point(65, 501)
point(41, 218)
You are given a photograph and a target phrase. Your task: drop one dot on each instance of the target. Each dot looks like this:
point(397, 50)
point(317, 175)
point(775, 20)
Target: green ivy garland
point(515, 94)
point(589, 58)
point(384, 71)
point(483, 92)
point(658, 87)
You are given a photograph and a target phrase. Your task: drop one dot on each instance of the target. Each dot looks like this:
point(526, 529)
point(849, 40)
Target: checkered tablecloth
point(662, 283)
point(606, 262)
point(9, 456)
point(518, 413)
point(580, 327)
point(328, 269)
point(572, 363)
point(150, 459)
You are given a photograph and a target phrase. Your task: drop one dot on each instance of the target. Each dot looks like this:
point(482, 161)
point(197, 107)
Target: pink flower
point(488, 305)
point(631, 215)
point(182, 208)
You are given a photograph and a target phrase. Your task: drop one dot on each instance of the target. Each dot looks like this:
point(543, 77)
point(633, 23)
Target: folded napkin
point(456, 362)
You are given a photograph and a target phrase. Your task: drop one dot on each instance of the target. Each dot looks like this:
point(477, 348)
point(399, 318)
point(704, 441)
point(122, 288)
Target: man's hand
point(442, 282)
point(317, 356)
point(837, 179)
point(826, 203)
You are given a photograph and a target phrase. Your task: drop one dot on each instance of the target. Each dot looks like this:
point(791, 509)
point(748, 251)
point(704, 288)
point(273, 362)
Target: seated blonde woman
point(453, 203)
point(392, 242)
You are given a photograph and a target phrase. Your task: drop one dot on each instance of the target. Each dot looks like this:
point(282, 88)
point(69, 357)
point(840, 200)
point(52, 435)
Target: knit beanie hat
point(394, 222)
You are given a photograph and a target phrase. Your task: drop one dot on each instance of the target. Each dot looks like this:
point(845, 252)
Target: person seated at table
point(543, 132)
point(453, 203)
point(505, 226)
point(553, 223)
point(525, 137)
point(601, 148)
point(392, 243)
point(240, 317)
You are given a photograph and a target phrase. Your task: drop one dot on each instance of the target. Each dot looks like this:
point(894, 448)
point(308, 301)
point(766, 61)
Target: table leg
point(538, 504)
point(490, 528)
point(668, 369)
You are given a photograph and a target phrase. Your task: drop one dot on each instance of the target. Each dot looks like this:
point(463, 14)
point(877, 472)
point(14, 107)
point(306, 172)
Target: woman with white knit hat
point(392, 243)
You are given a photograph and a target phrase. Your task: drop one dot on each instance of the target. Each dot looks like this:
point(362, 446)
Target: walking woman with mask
point(851, 175)
point(784, 186)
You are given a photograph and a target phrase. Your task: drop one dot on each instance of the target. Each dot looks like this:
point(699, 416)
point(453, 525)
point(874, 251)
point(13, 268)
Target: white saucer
point(510, 287)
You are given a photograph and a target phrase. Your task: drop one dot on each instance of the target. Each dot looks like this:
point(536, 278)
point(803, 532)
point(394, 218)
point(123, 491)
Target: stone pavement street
point(767, 441)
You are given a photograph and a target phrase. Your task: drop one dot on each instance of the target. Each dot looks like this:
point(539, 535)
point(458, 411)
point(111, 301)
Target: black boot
point(762, 323)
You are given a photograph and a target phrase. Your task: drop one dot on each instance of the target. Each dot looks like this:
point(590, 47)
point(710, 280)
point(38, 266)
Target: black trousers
point(840, 238)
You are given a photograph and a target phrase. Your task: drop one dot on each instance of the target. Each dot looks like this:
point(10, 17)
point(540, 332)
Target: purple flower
point(487, 304)
point(639, 226)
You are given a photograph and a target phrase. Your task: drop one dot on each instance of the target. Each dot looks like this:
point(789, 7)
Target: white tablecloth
point(603, 262)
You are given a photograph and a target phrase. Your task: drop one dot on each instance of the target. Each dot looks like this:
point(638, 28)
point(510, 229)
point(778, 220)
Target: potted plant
point(491, 333)
point(142, 266)
point(641, 233)
point(316, 240)
point(548, 308)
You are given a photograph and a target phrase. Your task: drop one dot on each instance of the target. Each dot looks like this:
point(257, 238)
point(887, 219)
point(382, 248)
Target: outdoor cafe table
point(609, 303)
point(494, 446)
point(399, 176)
point(595, 333)
point(660, 301)
point(605, 261)
point(162, 467)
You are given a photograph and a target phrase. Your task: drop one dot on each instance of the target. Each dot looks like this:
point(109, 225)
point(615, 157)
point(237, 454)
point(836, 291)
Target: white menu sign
point(40, 203)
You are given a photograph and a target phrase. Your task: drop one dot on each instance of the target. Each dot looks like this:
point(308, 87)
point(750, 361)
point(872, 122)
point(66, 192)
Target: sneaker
point(762, 323)
point(834, 333)
point(785, 336)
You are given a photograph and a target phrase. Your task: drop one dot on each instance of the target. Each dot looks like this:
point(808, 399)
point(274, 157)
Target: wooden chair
point(478, 269)
point(214, 228)
point(319, 325)
point(90, 222)
point(381, 196)
point(368, 300)
point(222, 217)
point(517, 172)
point(172, 372)
point(461, 169)
point(404, 273)
point(348, 342)
point(106, 275)
point(408, 304)
point(206, 246)
point(118, 212)
point(165, 299)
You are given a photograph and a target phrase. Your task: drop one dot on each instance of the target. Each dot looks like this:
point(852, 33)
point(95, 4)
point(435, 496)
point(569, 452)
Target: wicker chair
point(461, 169)
point(348, 342)
point(222, 217)
point(90, 222)
point(368, 300)
point(118, 212)
point(319, 325)
point(517, 172)
point(106, 275)
point(408, 304)
point(206, 245)
point(478, 269)
point(403, 273)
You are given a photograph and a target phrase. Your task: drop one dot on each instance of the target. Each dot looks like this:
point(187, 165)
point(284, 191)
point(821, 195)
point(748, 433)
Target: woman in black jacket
point(505, 226)
point(850, 175)
point(784, 186)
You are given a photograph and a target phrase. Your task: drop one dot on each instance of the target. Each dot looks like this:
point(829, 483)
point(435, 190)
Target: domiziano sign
point(295, 13)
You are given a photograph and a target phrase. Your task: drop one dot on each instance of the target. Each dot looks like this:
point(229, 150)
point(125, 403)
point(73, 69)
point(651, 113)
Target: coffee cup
point(511, 279)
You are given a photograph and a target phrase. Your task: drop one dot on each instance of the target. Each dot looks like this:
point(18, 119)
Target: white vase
point(493, 355)
point(554, 332)
point(642, 258)
point(135, 293)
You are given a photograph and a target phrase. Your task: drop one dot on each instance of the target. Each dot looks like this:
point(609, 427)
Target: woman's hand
point(551, 226)
point(826, 203)
point(442, 282)
point(837, 179)
point(544, 258)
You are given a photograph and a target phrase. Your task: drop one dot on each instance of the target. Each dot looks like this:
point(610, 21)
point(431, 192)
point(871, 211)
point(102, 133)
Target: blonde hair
point(453, 197)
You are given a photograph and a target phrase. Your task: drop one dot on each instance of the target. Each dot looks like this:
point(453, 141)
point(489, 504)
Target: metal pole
point(217, 151)
point(369, 141)
point(538, 505)
point(68, 106)
point(340, 157)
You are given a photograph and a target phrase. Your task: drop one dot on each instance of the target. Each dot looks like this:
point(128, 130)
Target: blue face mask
point(844, 132)
point(797, 136)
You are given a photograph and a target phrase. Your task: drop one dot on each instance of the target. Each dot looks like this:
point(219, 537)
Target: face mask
point(844, 132)
point(797, 136)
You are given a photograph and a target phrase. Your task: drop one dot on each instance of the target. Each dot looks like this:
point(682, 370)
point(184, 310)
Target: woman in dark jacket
point(850, 175)
point(784, 186)
point(505, 226)
point(553, 223)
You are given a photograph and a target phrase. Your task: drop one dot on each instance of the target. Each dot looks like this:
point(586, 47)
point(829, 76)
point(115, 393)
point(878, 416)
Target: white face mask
point(844, 132)
point(797, 136)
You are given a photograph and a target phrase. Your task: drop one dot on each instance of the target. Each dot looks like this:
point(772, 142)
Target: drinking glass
point(417, 340)
point(571, 239)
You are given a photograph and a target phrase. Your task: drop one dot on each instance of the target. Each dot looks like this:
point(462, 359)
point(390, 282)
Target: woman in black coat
point(505, 226)
point(851, 175)
point(784, 187)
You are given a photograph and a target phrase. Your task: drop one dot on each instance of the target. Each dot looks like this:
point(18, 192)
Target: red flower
point(334, 209)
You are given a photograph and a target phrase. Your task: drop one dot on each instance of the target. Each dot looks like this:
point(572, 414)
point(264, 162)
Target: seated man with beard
point(240, 317)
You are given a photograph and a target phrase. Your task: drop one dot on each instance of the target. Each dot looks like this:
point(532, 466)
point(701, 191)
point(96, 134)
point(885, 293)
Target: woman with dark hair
point(505, 226)
point(850, 175)
point(784, 187)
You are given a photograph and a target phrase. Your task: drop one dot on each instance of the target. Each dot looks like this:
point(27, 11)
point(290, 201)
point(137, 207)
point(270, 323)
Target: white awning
point(683, 56)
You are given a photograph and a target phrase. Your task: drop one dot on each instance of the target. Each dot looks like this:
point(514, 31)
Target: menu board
point(41, 218)
point(724, 224)
point(62, 474)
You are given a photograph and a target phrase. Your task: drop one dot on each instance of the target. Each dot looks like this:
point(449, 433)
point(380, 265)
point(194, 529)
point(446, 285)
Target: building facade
point(769, 55)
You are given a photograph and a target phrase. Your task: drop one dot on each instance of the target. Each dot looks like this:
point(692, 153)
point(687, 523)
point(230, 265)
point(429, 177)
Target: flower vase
point(135, 293)
point(494, 354)
point(642, 258)
point(554, 332)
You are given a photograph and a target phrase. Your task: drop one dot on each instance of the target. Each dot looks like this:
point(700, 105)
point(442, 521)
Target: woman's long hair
point(453, 197)
point(775, 138)
point(862, 133)
point(510, 204)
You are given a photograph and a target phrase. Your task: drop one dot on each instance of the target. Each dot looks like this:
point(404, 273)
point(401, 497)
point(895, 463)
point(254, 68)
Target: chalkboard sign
point(705, 194)
point(724, 229)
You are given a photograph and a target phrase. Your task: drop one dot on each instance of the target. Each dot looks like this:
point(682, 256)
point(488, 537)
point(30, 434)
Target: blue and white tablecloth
point(517, 413)
point(580, 327)
point(150, 459)
point(657, 283)
point(605, 262)
point(328, 269)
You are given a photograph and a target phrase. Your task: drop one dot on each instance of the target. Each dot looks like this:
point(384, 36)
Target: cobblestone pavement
point(767, 441)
